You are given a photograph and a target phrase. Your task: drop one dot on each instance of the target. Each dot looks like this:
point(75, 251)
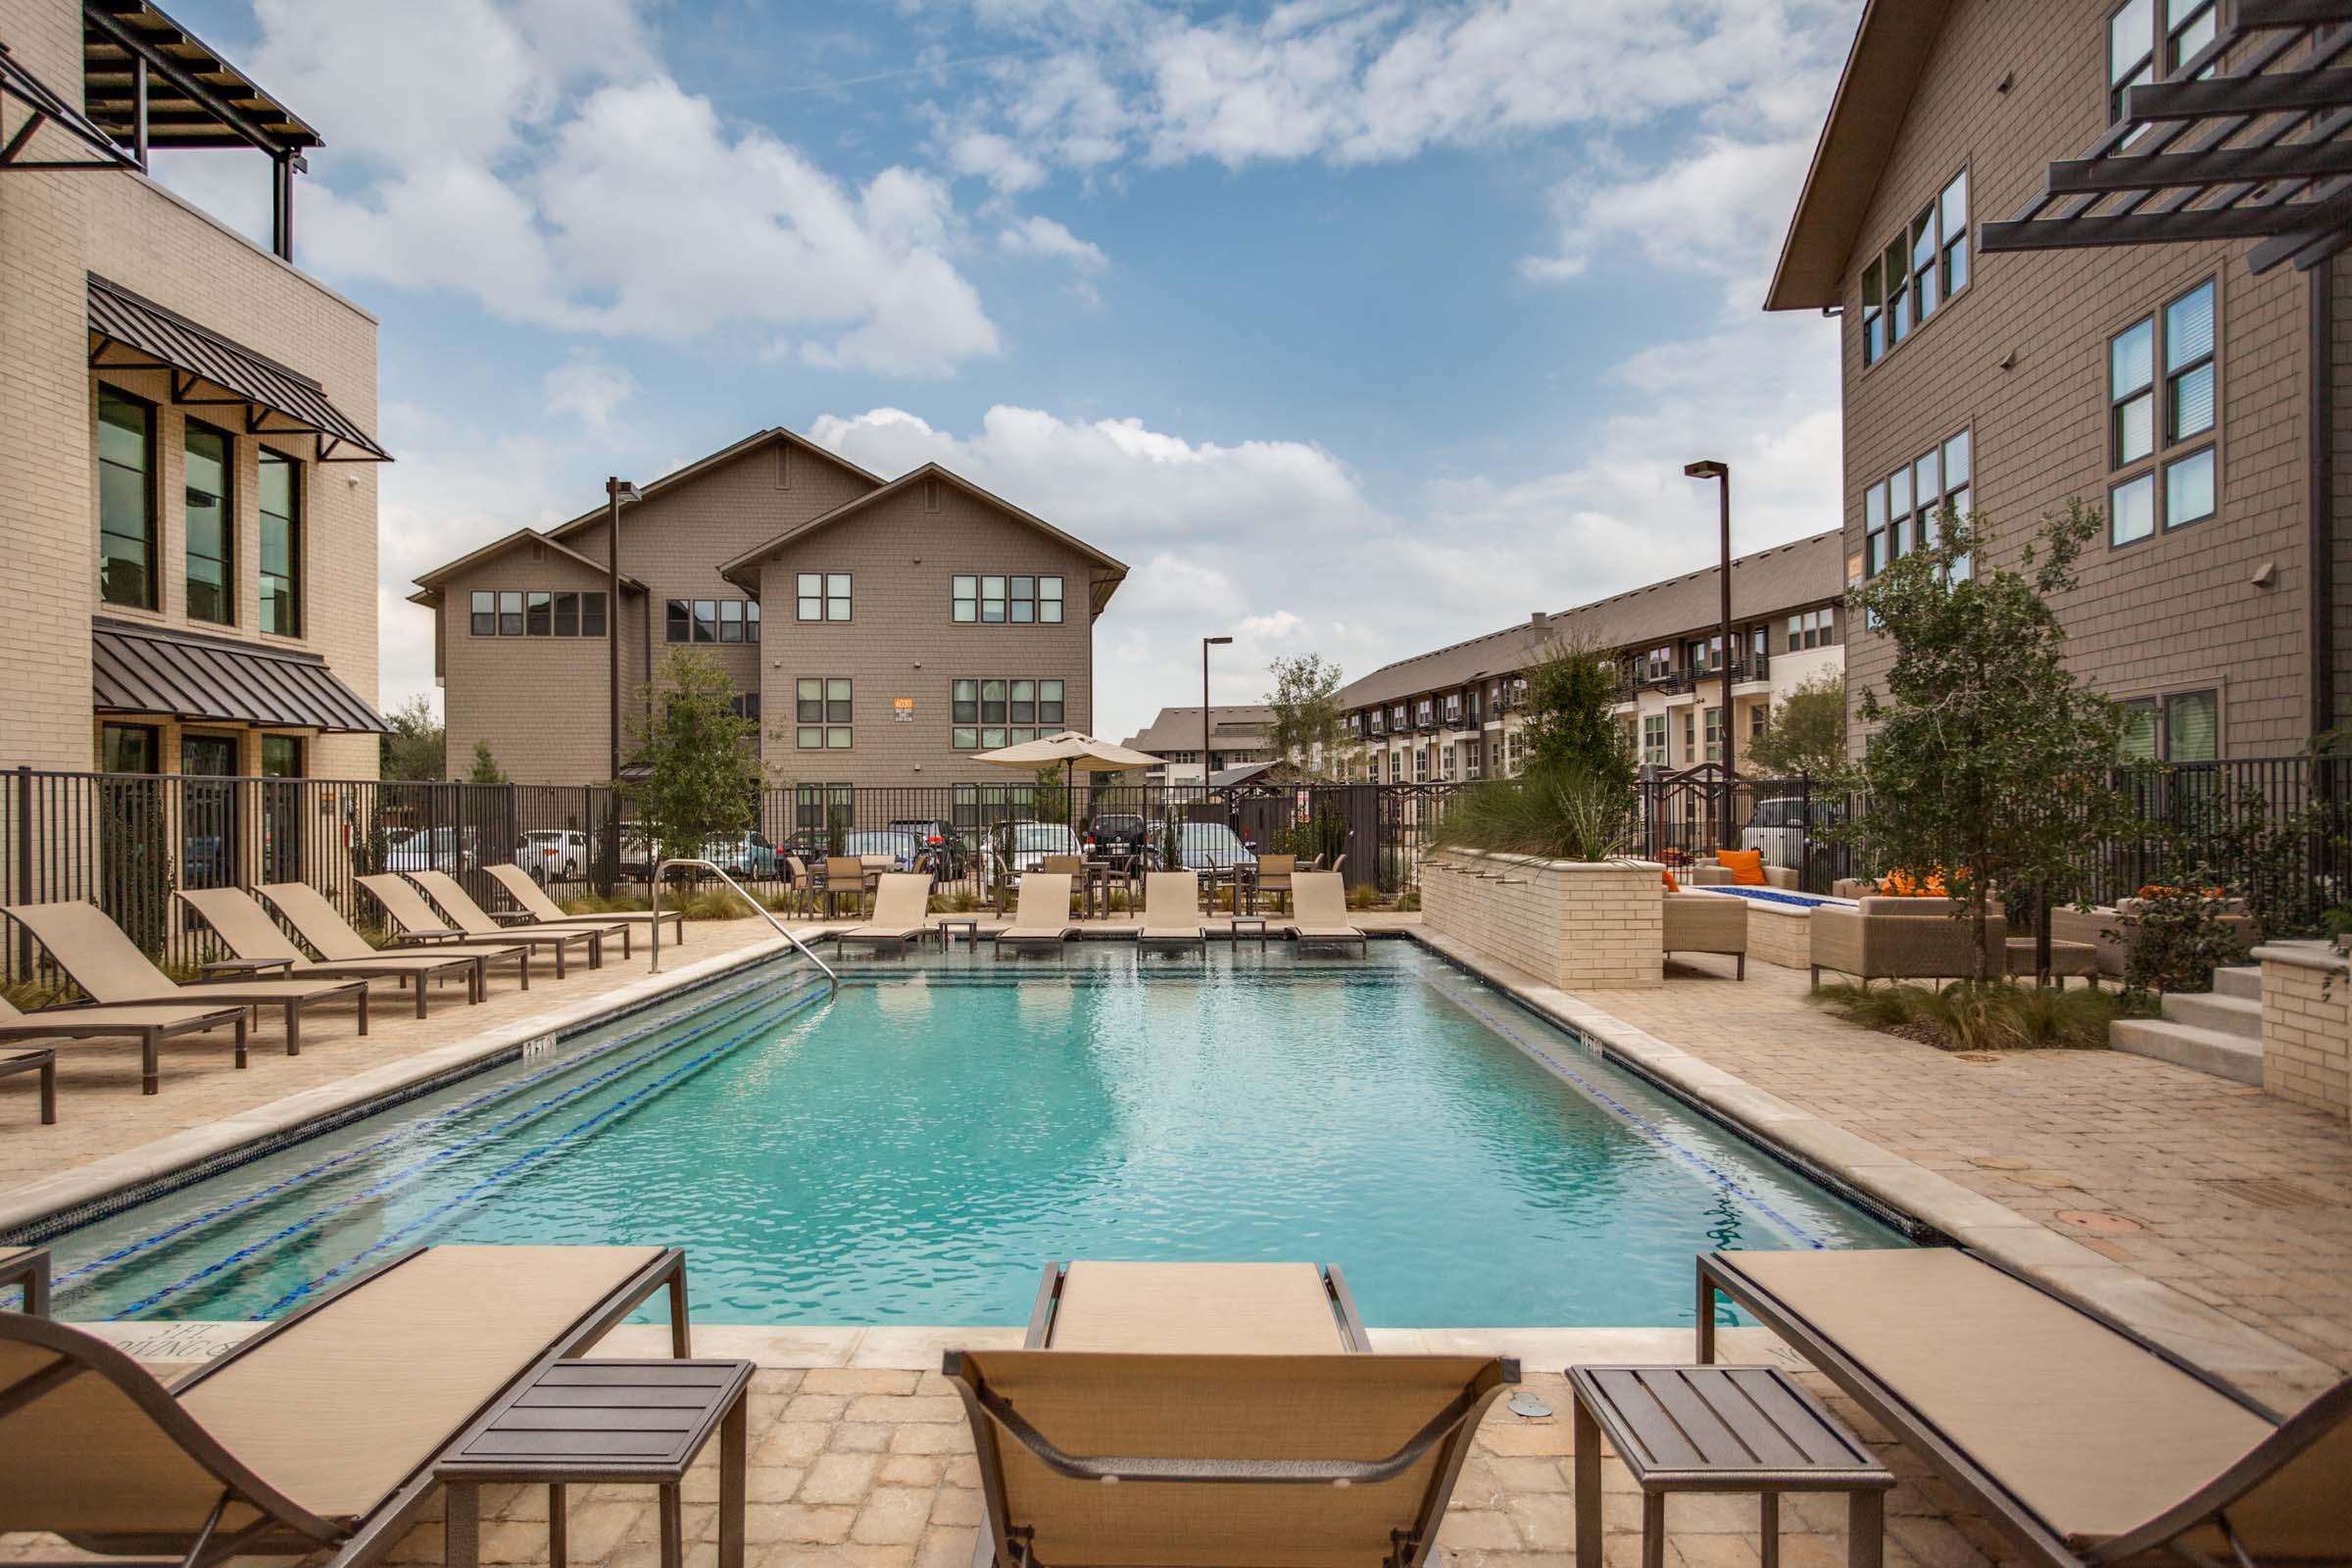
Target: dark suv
point(948, 852)
point(1114, 836)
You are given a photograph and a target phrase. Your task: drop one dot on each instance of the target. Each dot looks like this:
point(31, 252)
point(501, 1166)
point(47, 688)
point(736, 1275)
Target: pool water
point(1801, 900)
point(913, 1149)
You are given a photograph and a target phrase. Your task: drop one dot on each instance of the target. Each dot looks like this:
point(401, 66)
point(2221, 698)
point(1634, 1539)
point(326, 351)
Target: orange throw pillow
point(1671, 886)
point(1746, 865)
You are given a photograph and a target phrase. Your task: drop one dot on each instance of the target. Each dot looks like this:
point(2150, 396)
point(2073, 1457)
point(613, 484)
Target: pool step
point(2185, 1045)
point(2245, 982)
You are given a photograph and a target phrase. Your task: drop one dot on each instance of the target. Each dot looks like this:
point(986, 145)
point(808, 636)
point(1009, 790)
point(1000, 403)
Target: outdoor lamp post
point(1207, 643)
point(1720, 473)
point(616, 491)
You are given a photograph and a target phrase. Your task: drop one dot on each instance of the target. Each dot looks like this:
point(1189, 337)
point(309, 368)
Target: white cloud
point(1042, 236)
point(588, 386)
point(997, 160)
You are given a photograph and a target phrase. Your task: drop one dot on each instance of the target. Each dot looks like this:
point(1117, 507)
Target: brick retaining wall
point(1582, 926)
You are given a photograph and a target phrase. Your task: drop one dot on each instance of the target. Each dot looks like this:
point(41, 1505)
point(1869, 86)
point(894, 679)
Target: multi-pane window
point(821, 713)
point(1703, 654)
point(534, 613)
point(1425, 713)
point(1714, 734)
point(1420, 765)
point(823, 595)
point(1759, 719)
point(1653, 739)
point(1000, 601)
point(730, 621)
point(2163, 407)
point(2181, 727)
point(281, 493)
point(712, 620)
point(1454, 707)
point(1920, 269)
point(744, 704)
point(212, 522)
point(2147, 39)
point(125, 500)
point(1815, 628)
point(983, 714)
point(1904, 511)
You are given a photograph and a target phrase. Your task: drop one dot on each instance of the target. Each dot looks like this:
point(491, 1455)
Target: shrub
point(1556, 810)
point(957, 899)
point(713, 904)
point(1362, 895)
point(1408, 901)
point(2176, 938)
point(604, 903)
point(1983, 1015)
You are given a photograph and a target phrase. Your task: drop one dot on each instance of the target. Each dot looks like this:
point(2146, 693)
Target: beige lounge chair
point(320, 1432)
point(322, 925)
point(1172, 909)
point(452, 899)
point(1043, 917)
point(2081, 1443)
point(1319, 909)
point(1705, 923)
point(246, 927)
point(532, 900)
point(419, 923)
point(147, 1025)
point(901, 912)
point(111, 969)
point(1236, 1408)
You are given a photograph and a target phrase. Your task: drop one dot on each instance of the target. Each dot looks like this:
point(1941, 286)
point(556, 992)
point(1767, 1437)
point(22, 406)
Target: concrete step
point(2228, 1016)
point(2243, 982)
point(2186, 1046)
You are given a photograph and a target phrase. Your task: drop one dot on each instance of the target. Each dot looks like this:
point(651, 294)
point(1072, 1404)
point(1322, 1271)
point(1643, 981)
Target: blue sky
point(1352, 327)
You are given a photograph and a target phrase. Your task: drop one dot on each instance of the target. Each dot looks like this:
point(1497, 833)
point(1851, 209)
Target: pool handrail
point(762, 911)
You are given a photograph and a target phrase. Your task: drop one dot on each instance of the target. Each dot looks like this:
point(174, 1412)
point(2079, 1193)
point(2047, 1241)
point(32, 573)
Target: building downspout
point(2323, 497)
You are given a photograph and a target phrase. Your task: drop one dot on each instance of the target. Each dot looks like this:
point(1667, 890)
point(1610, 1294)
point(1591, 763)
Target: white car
point(441, 849)
point(554, 855)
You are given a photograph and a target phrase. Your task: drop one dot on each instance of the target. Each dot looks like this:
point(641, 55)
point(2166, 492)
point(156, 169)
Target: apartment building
point(1458, 712)
point(880, 632)
point(1236, 736)
point(188, 486)
point(2032, 312)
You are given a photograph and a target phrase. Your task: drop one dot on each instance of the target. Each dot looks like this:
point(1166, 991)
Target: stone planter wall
point(2307, 1027)
point(1579, 925)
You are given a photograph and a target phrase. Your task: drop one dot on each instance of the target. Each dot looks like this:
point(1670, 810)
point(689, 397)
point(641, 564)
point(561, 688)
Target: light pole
point(1720, 473)
point(616, 491)
point(1207, 643)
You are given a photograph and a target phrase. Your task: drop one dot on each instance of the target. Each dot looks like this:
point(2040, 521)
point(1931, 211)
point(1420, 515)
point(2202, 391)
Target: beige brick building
point(882, 632)
point(187, 487)
point(2191, 399)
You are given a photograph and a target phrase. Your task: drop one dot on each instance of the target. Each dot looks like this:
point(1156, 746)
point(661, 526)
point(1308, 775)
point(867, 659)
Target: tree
point(418, 747)
point(1305, 728)
point(485, 766)
point(1571, 723)
point(1990, 758)
point(1574, 799)
point(698, 759)
point(1806, 732)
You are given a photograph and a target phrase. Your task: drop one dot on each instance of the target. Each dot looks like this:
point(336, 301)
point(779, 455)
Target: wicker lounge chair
point(322, 1431)
point(901, 912)
point(1042, 918)
point(2081, 1443)
point(1900, 939)
point(532, 900)
point(419, 923)
point(111, 969)
point(1319, 908)
point(322, 925)
point(149, 1026)
point(1706, 922)
point(450, 896)
point(1172, 909)
point(1237, 1400)
point(246, 927)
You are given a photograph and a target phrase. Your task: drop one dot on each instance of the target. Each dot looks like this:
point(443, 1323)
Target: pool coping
point(1932, 1200)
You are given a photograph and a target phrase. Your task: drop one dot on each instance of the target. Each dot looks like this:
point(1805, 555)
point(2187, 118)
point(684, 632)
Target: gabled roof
point(1177, 730)
point(429, 584)
point(757, 441)
point(1805, 572)
point(1890, 52)
point(1105, 584)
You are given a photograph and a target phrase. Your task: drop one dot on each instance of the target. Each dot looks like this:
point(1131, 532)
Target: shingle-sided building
point(881, 632)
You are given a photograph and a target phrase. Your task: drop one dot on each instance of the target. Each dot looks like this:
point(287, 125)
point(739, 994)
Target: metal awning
point(2261, 152)
point(137, 668)
point(138, 65)
point(128, 332)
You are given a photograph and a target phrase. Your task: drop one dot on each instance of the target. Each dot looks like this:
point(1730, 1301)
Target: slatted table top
point(599, 1420)
point(1703, 1428)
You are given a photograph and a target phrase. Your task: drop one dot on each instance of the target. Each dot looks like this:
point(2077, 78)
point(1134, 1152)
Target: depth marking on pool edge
point(1691, 1157)
point(413, 1131)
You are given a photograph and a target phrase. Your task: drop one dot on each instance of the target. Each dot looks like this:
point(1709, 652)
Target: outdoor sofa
point(1884, 938)
point(1705, 923)
point(532, 900)
point(2081, 1443)
point(1240, 1410)
point(319, 1433)
point(149, 1025)
point(249, 933)
point(320, 924)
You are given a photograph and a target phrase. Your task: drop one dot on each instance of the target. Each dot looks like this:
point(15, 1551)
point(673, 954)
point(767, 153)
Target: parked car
point(1117, 835)
point(743, 854)
point(904, 847)
point(440, 849)
point(948, 852)
point(1778, 828)
point(554, 854)
point(1203, 847)
point(1018, 846)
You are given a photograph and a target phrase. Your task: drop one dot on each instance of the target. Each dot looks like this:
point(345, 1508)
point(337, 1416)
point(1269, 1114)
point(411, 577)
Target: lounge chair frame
point(1720, 1273)
point(28, 1267)
point(285, 1523)
point(522, 889)
point(59, 1023)
point(1335, 1287)
point(410, 969)
point(447, 895)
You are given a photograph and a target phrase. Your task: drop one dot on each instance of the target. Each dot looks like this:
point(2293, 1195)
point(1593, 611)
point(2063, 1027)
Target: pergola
point(2246, 140)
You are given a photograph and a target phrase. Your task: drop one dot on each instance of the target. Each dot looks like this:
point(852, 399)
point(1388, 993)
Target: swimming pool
point(912, 1150)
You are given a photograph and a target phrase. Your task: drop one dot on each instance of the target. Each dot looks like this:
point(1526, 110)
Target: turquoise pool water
point(910, 1150)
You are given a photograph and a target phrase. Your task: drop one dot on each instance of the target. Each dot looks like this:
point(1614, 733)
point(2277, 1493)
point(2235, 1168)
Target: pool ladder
point(661, 872)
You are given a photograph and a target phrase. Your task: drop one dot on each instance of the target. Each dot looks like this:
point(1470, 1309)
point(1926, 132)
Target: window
point(1515, 751)
point(965, 601)
point(1424, 714)
point(509, 614)
point(823, 595)
point(730, 621)
point(1446, 763)
point(1420, 765)
point(1653, 740)
point(2144, 31)
point(705, 620)
point(1760, 718)
point(2162, 406)
point(129, 747)
point(679, 623)
point(592, 615)
point(280, 490)
point(281, 757)
point(992, 600)
point(539, 615)
point(1024, 601)
point(1904, 513)
point(964, 715)
point(1925, 266)
point(485, 614)
point(751, 620)
point(567, 614)
point(2181, 727)
point(1690, 738)
point(1815, 628)
point(1714, 734)
point(745, 706)
point(212, 522)
point(821, 713)
point(1049, 600)
point(125, 500)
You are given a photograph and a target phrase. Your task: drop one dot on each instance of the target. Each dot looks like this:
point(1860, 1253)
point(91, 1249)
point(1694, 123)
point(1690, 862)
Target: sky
point(1356, 327)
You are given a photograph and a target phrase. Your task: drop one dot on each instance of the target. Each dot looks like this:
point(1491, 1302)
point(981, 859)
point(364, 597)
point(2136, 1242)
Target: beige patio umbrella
point(1075, 753)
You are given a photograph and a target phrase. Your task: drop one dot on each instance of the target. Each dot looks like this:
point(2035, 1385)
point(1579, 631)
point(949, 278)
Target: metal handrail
point(662, 870)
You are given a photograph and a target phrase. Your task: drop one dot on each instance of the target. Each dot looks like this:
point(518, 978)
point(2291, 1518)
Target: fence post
point(23, 865)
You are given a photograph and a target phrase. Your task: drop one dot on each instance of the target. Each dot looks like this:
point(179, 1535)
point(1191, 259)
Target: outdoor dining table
point(1241, 877)
point(1099, 875)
